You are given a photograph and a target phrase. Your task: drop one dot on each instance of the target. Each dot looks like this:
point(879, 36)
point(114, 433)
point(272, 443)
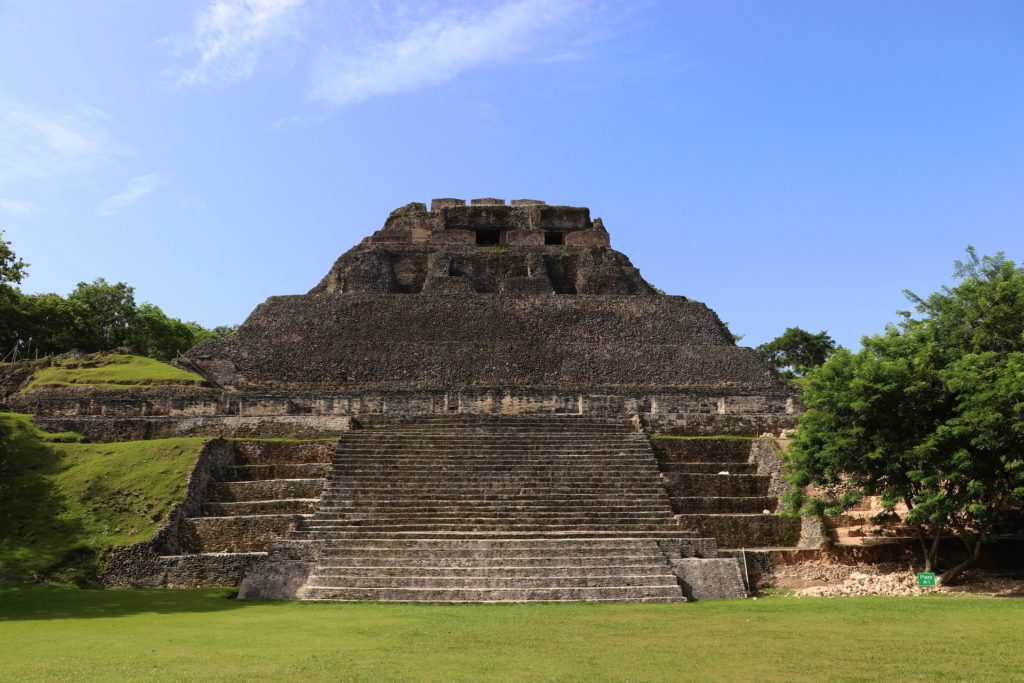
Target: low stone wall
point(104, 429)
point(710, 579)
point(106, 415)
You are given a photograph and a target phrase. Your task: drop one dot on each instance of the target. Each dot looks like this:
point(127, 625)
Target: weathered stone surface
point(709, 579)
point(485, 295)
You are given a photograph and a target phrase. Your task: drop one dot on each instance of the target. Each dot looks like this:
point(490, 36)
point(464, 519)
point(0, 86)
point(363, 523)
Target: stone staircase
point(266, 490)
point(716, 490)
point(479, 509)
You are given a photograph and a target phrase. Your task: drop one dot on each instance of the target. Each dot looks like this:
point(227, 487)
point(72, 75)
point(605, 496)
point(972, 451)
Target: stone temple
point(489, 387)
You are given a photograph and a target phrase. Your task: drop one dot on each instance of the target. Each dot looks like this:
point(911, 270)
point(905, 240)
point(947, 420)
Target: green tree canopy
point(96, 316)
point(930, 414)
point(796, 351)
point(12, 268)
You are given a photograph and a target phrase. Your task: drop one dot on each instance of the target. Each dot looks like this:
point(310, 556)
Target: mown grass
point(202, 635)
point(112, 371)
point(63, 504)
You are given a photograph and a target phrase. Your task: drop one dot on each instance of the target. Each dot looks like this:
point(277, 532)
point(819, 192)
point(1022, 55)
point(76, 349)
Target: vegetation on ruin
point(929, 414)
point(111, 371)
point(796, 351)
point(96, 316)
point(63, 503)
point(172, 635)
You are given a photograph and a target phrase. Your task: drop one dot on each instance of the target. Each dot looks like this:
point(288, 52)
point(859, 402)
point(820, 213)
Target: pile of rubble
point(863, 583)
point(826, 578)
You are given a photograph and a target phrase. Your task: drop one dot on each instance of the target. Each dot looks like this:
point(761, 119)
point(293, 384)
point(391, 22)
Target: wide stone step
point(506, 454)
point(283, 452)
point(301, 535)
point(512, 505)
point(654, 502)
point(458, 478)
point(388, 562)
point(483, 525)
point(265, 490)
point(436, 487)
point(745, 530)
point(725, 485)
point(297, 506)
point(495, 582)
point(709, 467)
point(484, 514)
point(285, 471)
point(238, 534)
point(539, 463)
point(552, 545)
point(656, 593)
point(702, 450)
point(724, 505)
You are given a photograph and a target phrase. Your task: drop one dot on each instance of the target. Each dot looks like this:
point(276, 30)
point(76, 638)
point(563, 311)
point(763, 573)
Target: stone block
point(437, 204)
point(709, 579)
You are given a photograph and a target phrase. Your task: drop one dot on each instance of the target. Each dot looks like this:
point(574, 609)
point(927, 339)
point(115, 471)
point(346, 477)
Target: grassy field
point(112, 371)
point(52, 634)
point(63, 503)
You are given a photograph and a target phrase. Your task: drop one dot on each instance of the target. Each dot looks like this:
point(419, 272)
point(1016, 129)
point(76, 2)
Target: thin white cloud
point(228, 38)
point(136, 189)
point(16, 207)
point(414, 55)
point(37, 143)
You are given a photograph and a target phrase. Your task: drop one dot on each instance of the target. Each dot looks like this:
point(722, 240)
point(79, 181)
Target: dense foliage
point(929, 414)
point(796, 351)
point(96, 316)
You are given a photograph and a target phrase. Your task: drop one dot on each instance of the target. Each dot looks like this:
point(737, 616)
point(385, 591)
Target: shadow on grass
point(35, 540)
point(37, 603)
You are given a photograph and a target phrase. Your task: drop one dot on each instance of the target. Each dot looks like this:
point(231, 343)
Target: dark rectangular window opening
point(552, 238)
point(488, 237)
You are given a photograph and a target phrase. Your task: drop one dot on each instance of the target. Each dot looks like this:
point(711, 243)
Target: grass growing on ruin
point(62, 504)
point(112, 371)
point(201, 635)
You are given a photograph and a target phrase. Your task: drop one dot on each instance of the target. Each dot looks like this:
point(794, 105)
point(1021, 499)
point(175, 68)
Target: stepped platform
point(481, 509)
point(717, 490)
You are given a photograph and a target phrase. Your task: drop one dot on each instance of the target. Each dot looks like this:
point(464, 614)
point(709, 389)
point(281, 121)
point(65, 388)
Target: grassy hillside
point(161, 635)
point(117, 371)
point(63, 503)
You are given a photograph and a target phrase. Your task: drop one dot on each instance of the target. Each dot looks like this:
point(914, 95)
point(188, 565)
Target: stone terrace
point(490, 509)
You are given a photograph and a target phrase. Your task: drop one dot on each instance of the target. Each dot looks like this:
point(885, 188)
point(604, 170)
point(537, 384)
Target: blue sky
point(788, 163)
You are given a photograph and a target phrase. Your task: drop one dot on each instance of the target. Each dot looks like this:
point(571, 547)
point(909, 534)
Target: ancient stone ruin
point(477, 399)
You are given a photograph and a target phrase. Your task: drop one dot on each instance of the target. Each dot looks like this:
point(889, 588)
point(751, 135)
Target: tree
point(930, 413)
point(797, 351)
point(107, 311)
point(12, 268)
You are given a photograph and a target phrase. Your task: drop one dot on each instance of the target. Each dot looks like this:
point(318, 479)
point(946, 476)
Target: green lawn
point(62, 504)
point(53, 634)
point(112, 371)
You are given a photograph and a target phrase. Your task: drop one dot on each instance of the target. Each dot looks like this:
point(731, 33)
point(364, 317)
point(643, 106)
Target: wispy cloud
point(438, 50)
point(228, 37)
point(37, 143)
point(356, 50)
point(16, 207)
point(136, 189)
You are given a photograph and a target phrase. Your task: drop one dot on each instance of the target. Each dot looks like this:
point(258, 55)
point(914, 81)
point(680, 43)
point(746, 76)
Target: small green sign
point(926, 579)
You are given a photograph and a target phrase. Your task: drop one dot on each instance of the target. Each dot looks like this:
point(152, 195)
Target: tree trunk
point(925, 554)
point(933, 553)
point(974, 552)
